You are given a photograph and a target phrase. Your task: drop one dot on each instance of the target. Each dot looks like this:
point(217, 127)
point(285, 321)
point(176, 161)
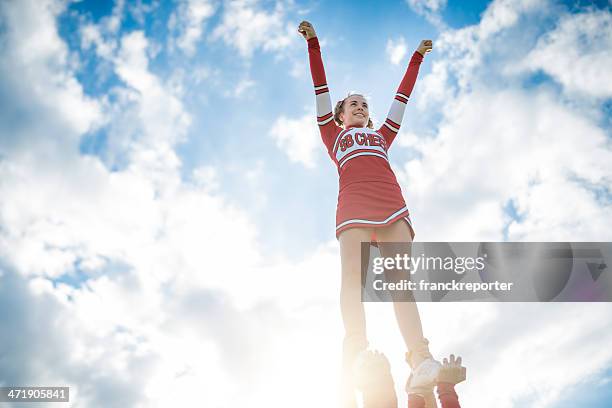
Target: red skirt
point(371, 204)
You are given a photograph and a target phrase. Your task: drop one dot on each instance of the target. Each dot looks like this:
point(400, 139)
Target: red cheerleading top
point(360, 154)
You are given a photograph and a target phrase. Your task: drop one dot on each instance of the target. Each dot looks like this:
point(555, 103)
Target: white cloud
point(504, 14)
point(170, 294)
point(30, 68)
point(577, 54)
point(189, 20)
point(483, 113)
point(496, 140)
point(91, 36)
point(533, 352)
point(139, 10)
point(298, 138)
point(104, 34)
point(506, 347)
point(396, 50)
point(174, 295)
point(113, 22)
point(478, 50)
point(430, 9)
point(207, 178)
point(242, 88)
point(247, 27)
point(422, 6)
point(546, 153)
point(148, 118)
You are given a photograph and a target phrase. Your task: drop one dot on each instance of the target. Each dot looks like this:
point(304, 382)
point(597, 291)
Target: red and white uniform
point(369, 195)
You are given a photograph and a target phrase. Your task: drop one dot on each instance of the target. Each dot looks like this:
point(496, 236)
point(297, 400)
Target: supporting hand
point(452, 372)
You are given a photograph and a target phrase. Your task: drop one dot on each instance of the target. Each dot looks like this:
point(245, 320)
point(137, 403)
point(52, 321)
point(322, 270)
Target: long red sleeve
point(392, 124)
point(409, 79)
point(316, 63)
point(448, 396)
point(325, 116)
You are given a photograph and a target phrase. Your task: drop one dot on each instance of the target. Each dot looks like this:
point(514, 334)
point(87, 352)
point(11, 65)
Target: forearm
point(409, 79)
point(447, 395)
point(324, 108)
point(392, 124)
point(316, 63)
point(325, 116)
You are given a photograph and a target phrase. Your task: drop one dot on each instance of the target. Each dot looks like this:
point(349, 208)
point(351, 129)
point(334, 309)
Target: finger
point(459, 360)
point(445, 361)
point(452, 359)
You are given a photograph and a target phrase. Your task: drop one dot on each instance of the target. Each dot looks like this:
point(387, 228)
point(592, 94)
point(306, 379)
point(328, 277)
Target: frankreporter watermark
point(453, 285)
point(487, 271)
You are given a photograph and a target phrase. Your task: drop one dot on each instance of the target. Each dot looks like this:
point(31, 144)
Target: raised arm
point(325, 115)
point(394, 118)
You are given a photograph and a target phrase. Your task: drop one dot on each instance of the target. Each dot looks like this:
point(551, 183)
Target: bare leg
point(351, 307)
point(406, 310)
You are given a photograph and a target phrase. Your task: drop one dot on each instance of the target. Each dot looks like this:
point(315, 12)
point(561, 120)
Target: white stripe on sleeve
point(396, 112)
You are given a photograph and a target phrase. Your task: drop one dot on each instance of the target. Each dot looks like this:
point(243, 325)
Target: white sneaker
point(425, 375)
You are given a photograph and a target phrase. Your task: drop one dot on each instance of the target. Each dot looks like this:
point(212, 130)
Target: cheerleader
point(370, 207)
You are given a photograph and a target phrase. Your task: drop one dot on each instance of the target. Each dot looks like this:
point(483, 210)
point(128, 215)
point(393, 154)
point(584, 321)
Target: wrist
point(417, 57)
point(313, 42)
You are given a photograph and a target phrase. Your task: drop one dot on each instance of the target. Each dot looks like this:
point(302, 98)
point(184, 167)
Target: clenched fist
point(424, 47)
point(307, 30)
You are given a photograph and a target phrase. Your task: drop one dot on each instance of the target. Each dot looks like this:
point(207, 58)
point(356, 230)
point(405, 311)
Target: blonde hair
point(340, 108)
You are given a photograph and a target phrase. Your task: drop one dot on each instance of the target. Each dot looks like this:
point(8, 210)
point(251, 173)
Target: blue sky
point(596, 394)
point(166, 200)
